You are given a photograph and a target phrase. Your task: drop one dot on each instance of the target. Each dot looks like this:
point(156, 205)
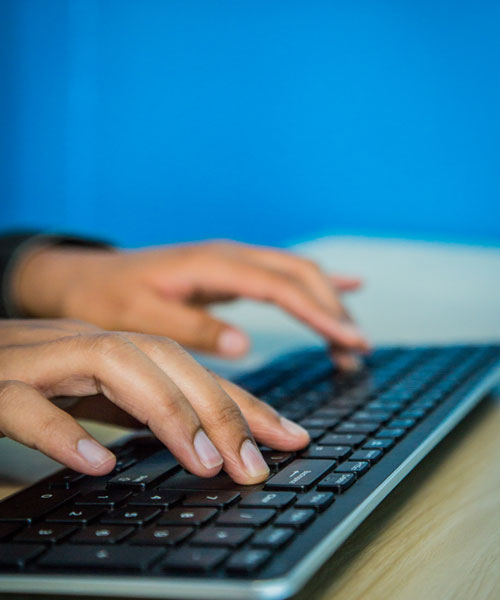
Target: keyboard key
point(276, 460)
point(107, 498)
point(354, 427)
point(315, 433)
point(156, 498)
point(187, 516)
point(401, 423)
point(331, 411)
point(277, 500)
point(371, 456)
point(392, 408)
point(358, 468)
point(330, 452)
point(215, 499)
point(296, 518)
point(158, 535)
point(96, 557)
point(232, 537)
point(273, 537)
point(337, 482)
point(146, 472)
point(76, 514)
point(301, 474)
point(319, 422)
point(31, 505)
point(102, 534)
point(372, 416)
point(66, 479)
point(394, 434)
point(18, 555)
point(250, 517)
point(337, 439)
point(413, 413)
point(380, 444)
point(131, 515)
point(8, 529)
point(316, 500)
point(195, 559)
point(187, 481)
point(124, 463)
point(247, 561)
point(44, 534)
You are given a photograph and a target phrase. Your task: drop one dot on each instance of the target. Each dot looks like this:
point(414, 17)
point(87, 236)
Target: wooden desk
point(436, 537)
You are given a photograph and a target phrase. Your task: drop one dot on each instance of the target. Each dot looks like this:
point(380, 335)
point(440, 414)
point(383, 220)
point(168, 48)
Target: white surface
point(414, 292)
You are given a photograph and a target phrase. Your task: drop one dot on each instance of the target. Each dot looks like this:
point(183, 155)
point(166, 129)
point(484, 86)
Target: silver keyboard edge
point(271, 589)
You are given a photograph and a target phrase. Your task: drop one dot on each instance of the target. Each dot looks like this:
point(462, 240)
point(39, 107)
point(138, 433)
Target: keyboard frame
point(439, 422)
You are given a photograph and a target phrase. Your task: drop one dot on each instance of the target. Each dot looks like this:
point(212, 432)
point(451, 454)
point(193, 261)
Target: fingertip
point(98, 459)
point(253, 461)
point(232, 343)
point(297, 432)
point(347, 362)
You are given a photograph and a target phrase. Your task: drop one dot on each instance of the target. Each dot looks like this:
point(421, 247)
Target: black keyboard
point(151, 529)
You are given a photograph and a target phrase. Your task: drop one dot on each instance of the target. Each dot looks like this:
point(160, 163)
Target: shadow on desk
point(433, 537)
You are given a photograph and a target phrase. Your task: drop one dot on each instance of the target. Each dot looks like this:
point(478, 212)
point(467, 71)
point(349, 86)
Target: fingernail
point(207, 452)
point(232, 343)
point(252, 459)
point(93, 453)
point(293, 428)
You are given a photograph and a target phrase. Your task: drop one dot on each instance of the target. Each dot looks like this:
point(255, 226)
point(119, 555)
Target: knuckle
point(154, 345)
point(52, 423)
point(108, 343)
point(228, 415)
point(170, 407)
point(80, 326)
point(170, 344)
point(309, 266)
point(9, 390)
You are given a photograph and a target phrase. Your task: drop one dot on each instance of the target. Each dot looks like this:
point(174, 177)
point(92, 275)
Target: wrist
point(45, 274)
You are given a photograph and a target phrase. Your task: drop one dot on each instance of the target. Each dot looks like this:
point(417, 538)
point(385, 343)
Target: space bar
point(146, 472)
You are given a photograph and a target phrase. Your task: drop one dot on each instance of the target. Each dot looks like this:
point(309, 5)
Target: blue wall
point(150, 121)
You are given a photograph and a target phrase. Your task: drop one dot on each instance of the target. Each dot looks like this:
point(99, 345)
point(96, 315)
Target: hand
point(129, 378)
point(166, 291)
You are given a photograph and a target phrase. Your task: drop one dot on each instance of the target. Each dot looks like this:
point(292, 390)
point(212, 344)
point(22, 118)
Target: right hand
point(128, 378)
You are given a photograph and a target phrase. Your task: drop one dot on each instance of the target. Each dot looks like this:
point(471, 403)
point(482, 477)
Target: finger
point(307, 272)
point(344, 283)
point(266, 424)
point(253, 281)
point(347, 362)
point(219, 414)
point(112, 365)
point(188, 325)
point(29, 418)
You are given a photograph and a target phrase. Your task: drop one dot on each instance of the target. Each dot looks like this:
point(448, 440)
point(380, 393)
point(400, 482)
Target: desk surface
point(437, 536)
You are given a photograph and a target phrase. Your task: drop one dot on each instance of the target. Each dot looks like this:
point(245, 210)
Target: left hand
point(165, 291)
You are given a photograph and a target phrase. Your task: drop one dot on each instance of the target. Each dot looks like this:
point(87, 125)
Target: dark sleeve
point(14, 245)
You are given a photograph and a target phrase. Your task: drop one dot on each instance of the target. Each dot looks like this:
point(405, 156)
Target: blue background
point(267, 121)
